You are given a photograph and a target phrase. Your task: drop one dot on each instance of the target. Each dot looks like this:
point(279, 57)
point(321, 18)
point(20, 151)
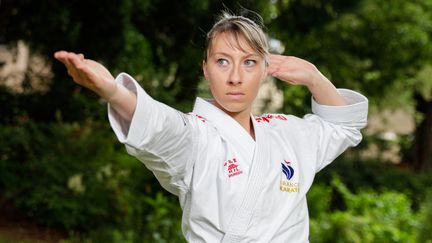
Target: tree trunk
point(422, 146)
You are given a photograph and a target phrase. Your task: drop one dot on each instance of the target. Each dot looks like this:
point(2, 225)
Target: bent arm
point(297, 71)
point(163, 138)
point(324, 92)
point(337, 127)
point(97, 78)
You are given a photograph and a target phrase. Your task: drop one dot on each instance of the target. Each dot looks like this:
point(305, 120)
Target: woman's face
point(234, 74)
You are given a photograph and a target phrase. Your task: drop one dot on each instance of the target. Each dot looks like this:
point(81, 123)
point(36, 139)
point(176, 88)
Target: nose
point(235, 76)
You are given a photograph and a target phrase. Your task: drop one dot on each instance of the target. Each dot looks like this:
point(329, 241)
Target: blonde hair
point(238, 26)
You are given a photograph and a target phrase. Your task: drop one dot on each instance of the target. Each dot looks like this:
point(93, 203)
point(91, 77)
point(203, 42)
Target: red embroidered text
point(268, 117)
point(232, 167)
point(201, 118)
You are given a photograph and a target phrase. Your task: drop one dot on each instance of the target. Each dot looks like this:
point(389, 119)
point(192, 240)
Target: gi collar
point(225, 124)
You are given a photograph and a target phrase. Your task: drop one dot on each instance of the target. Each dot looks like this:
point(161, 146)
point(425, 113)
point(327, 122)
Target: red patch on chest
point(232, 167)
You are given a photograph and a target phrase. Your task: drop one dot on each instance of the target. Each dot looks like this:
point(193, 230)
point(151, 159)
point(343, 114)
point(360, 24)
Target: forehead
point(228, 42)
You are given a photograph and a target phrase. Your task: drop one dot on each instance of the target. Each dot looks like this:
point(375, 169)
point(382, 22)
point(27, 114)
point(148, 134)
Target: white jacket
point(233, 188)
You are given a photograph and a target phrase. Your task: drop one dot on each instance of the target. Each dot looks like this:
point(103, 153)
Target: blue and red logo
point(287, 169)
point(286, 185)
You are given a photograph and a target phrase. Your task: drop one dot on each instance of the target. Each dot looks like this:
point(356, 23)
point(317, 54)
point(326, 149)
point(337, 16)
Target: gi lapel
point(228, 128)
point(243, 215)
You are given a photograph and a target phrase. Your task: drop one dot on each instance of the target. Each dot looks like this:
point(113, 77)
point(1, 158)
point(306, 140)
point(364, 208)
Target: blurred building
point(22, 71)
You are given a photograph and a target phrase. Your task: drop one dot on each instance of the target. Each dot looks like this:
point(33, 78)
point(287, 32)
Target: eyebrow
point(245, 56)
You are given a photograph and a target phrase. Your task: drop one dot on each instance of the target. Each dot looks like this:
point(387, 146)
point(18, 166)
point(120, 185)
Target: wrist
point(110, 92)
point(316, 82)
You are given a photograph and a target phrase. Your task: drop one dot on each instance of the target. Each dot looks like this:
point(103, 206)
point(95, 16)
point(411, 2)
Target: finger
point(273, 57)
point(83, 69)
point(274, 62)
point(273, 66)
point(285, 59)
point(73, 68)
point(61, 56)
point(276, 58)
point(68, 63)
point(77, 65)
point(271, 69)
point(284, 76)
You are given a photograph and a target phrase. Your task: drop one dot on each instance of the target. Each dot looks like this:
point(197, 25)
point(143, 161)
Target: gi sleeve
point(158, 135)
point(337, 127)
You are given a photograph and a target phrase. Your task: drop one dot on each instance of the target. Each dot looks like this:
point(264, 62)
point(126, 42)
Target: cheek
point(214, 87)
point(256, 84)
point(257, 79)
point(215, 79)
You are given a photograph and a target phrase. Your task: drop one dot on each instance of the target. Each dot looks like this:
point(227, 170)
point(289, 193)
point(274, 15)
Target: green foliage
point(156, 219)
point(369, 201)
point(423, 83)
point(78, 178)
point(377, 47)
point(377, 176)
point(160, 222)
point(368, 216)
point(426, 220)
point(67, 171)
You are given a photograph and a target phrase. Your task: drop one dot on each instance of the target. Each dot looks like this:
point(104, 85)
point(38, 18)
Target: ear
point(204, 67)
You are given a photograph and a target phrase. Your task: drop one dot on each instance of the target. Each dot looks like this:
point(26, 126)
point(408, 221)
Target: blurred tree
point(382, 48)
point(160, 42)
point(379, 47)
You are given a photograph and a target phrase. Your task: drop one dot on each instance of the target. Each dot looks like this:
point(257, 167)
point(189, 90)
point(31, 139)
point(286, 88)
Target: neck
point(244, 119)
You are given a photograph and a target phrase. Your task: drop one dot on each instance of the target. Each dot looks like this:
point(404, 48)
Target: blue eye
point(250, 62)
point(222, 62)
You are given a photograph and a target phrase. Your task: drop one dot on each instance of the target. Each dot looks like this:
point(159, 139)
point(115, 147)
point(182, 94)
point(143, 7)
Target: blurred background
point(65, 178)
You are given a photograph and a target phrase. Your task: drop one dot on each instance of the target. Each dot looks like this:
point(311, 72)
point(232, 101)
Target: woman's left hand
point(293, 70)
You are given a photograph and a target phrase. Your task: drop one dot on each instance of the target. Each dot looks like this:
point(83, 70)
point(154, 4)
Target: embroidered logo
point(232, 167)
point(201, 118)
point(268, 117)
point(286, 185)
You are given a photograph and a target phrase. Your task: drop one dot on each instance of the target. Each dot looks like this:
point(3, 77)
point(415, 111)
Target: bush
point(80, 179)
point(368, 216)
point(62, 175)
point(377, 176)
point(425, 227)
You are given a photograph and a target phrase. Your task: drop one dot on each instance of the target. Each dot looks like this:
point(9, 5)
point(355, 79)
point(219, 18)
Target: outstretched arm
point(96, 77)
point(294, 70)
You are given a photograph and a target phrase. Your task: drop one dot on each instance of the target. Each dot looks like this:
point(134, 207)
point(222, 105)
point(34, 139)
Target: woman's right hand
point(88, 73)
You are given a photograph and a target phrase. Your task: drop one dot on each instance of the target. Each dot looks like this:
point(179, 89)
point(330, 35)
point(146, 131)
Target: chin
point(230, 106)
point(235, 108)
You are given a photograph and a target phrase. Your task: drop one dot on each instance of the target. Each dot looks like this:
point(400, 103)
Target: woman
point(239, 178)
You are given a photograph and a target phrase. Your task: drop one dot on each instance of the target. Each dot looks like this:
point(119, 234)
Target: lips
point(235, 93)
point(235, 96)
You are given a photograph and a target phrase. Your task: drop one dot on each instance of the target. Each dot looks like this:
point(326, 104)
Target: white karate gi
point(231, 187)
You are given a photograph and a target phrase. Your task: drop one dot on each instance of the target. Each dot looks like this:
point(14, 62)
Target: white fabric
point(206, 159)
point(244, 212)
